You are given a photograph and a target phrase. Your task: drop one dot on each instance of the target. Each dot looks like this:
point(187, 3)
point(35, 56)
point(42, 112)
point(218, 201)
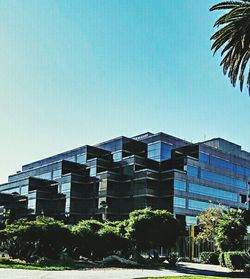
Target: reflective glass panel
point(191, 220)
point(56, 174)
point(198, 205)
point(65, 187)
point(67, 205)
point(32, 203)
point(204, 158)
point(180, 185)
point(215, 177)
point(212, 192)
point(192, 171)
point(117, 156)
point(92, 171)
point(24, 190)
point(159, 151)
point(71, 159)
point(46, 175)
point(81, 158)
point(179, 202)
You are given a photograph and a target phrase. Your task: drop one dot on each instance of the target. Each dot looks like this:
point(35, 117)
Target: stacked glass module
point(157, 171)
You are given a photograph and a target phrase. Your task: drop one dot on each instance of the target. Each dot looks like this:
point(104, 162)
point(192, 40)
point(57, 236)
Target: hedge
point(209, 257)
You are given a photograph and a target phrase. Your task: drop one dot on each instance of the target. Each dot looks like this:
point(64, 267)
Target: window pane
point(67, 205)
point(117, 156)
point(192, 171)
point(46, 175)
point(215, 177)
point(65, 187)
point(56, 174)
point(92, 171)
point(191, 220)
point(198, 205)
point(71, 159)
point(204, 158)
point(24, 190)
point(179, 202)
point(81, 158)
point(212, 192)
point(180, 185)
point(32, 204)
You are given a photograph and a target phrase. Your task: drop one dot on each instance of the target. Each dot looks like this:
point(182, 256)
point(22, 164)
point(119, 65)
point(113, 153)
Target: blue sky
point(80, 72)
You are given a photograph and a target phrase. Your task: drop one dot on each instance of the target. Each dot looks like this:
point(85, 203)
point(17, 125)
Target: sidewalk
point(205, 269)
point(115, 273)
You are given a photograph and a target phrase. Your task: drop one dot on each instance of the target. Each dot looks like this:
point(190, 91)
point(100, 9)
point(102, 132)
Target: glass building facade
point(149, 170)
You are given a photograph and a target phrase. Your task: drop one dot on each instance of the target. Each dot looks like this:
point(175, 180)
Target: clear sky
point(80, 72)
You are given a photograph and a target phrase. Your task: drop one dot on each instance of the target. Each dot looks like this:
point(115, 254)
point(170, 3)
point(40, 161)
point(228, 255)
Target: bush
point(234, 260)
point(66, 259)
point(247, 268)
point(87, 239)
point(222, 259)
point(209, 257)
point(184, 259)
point(172, 259)
point(97, 240)
point(230, 231)
point(152, 228)
point(44, 261)
point(31, 240)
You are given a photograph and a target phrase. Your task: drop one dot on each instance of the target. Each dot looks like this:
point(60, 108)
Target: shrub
point(230, 230)
point(247, 268)
point(209, 257)
point(112, 242)
point(87, 238)
point(152, 228)
point(184, 259)
point(44, 261)
point(97, 240)
point(234, 260)
point(30, 240)
point(222, 259)
point(247, 261)
point(172, 259)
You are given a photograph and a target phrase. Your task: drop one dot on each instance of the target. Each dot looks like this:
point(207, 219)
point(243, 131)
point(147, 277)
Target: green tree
point(230, 230)
point(208, 222)
point(233, 38)
point(88, 241)
point(97, 240)
point(112, 242)
point(29, 240)
point(152, 228)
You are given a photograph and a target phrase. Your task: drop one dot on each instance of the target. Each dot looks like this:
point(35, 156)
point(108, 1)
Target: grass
point(18, 264)
point(33, 267)
point(186, 277)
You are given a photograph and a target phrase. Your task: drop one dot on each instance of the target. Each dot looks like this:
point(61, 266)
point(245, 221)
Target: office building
point(123, 174)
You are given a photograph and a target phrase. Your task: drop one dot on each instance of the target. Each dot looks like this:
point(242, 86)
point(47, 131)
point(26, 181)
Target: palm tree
point(233, 38)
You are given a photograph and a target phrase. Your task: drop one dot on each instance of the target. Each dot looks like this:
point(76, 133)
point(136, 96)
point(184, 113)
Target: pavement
point(118, 273)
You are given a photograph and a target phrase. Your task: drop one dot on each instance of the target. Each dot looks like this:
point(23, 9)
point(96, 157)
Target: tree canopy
point(230, 230)
point(152, 228)
point(43, 237)
point(97, 240)
point(233, 39)
point(208, 222)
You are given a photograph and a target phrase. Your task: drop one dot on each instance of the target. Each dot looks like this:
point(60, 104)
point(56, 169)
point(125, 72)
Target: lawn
point(186, 277)
point(13, 263)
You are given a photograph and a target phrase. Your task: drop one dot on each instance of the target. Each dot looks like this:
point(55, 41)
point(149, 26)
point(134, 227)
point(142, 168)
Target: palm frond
point(233, 39)
point(225, 5)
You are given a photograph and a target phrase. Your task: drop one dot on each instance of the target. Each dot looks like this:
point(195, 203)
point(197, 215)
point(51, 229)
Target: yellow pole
point(192, 241)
